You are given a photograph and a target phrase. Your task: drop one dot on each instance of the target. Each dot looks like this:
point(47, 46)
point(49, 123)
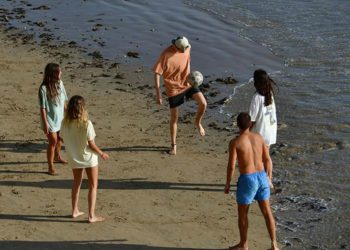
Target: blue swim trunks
point(251, 187)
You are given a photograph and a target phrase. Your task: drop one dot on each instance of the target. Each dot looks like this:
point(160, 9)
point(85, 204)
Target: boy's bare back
point(250, 150)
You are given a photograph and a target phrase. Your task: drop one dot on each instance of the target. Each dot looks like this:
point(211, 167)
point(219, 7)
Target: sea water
point(304, 45)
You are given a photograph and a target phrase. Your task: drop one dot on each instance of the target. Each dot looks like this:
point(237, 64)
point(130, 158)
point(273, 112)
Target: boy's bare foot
point(238, 247)
point(77, 214)
point(96, 219)
point(274, 245)
point(60, 160)
point(172, 151)
point(200, 129)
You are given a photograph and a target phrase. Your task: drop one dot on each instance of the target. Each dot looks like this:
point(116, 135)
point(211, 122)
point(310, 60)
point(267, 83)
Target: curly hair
point(76, 111)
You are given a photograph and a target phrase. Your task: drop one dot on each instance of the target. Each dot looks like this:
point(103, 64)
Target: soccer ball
point(195, 78)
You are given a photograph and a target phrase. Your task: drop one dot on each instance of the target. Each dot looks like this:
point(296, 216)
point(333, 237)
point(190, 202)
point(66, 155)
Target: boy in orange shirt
point(174, 65)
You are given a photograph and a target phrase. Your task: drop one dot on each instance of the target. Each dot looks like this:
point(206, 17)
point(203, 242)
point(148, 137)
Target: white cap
point(181, 43)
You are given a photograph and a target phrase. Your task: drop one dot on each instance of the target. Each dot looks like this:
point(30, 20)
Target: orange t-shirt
point(174, 66)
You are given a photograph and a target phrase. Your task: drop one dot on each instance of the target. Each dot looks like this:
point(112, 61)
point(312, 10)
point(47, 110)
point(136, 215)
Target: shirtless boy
point(253, 183)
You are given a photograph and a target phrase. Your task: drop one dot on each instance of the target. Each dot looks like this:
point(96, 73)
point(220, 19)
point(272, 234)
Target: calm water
point(305, 47)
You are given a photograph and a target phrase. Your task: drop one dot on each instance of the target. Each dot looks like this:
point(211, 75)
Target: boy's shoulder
point(234, 140)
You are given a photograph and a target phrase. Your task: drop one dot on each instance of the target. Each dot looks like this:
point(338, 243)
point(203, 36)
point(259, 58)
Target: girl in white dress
point(82, 153)
point(263, 109)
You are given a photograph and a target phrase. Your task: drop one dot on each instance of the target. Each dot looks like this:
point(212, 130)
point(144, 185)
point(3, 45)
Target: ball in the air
point(195, 78)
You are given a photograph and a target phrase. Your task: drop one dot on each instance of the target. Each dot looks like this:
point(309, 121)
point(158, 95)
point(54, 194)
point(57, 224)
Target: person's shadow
point(82, 245)
point(23, 146)
point(138, 149)
point(121, 184)
point(40, 146)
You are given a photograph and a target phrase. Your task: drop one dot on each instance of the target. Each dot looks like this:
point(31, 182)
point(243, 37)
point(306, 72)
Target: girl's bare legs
point(58, 157)
point(92, 174)
point(78, 178)
point(52, 137)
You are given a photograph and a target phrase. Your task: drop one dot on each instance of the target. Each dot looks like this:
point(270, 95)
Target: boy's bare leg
point(270, 222)
point(243, 228)
point(174, 115)
point(78, 178)
point(58, 157)
point(202, 106)
point(92, 174)
point(52, 137)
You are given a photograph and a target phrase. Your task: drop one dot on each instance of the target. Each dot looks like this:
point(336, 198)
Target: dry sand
point(151, 200)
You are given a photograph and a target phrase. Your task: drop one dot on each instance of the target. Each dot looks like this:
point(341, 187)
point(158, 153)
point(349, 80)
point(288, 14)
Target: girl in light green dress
point(53, 99)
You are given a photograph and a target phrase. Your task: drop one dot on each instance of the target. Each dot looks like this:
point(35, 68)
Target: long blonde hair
point(76, 111)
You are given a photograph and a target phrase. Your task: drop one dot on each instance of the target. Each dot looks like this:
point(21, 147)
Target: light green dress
point(54, 109)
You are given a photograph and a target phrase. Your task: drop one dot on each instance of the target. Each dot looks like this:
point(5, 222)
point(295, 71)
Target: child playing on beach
point(262, 107)
point(263, 110)
point(78, 134)
point(174, 66)
point(254, 164)
point(52, 99)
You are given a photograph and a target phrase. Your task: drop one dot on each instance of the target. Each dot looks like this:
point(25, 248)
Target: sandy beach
point(151, 200)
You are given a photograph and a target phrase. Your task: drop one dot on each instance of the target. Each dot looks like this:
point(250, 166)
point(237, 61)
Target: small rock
point(133, 54)
point(41, 7)
point(228, 80)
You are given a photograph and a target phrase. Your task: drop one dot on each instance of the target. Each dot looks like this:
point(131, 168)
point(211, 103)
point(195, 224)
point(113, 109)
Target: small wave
point(302, 203)
point(230, 97)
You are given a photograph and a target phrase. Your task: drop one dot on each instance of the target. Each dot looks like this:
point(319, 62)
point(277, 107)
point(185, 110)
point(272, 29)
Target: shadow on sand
point(40, 145)
point(138, 149)
point(42, 218)
point(21, 146)
point(121, 184)
point(80, 245)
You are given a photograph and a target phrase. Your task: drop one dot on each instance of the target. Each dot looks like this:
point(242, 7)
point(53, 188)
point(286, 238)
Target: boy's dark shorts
point(179, 99)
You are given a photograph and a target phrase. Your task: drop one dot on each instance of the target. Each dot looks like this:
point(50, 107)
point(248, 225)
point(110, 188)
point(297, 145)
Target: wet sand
point(151, 200)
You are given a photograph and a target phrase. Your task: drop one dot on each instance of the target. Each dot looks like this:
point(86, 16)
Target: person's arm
point(44, 119)
point(230, 166)
point(157, 87)
point(254, 109)
point(267, 163)
point(95, 148)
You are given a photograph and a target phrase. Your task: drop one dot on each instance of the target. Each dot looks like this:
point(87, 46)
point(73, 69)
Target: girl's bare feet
point(172, 151)
point(52, 172)
point(60, 160)
point(77, 214)
point(238, 247)
point(96, 219)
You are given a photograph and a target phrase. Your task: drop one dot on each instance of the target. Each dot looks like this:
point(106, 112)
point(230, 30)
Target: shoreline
point(151, 200)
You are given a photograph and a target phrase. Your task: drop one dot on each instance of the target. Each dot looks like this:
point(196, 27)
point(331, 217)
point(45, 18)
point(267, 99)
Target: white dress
point(264, 117)
point(75, 138)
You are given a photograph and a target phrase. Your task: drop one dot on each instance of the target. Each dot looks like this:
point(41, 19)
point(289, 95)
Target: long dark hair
point(51, 80)
point(264, 85)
